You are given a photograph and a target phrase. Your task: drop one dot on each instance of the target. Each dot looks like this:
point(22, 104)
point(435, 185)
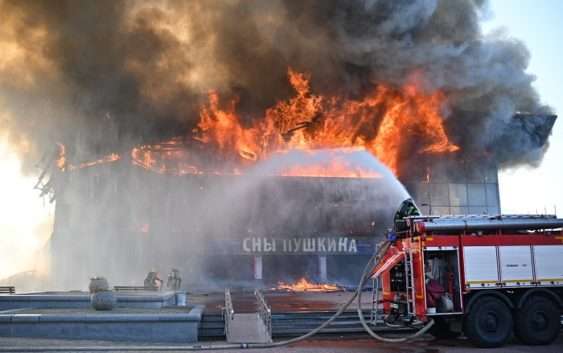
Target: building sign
point(317, 245)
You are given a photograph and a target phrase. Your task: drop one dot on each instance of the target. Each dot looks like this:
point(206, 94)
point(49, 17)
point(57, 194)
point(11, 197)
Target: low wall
point(148, 325)
point(82, 300)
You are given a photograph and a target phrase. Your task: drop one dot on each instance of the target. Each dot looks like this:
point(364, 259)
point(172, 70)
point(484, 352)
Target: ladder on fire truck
point(409, 289)
point(409, 283)
point(375, 283)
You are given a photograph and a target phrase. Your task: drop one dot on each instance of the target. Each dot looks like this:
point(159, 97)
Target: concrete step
point(288, 324)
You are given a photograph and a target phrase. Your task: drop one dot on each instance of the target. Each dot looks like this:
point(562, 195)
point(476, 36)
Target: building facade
point(121, 221)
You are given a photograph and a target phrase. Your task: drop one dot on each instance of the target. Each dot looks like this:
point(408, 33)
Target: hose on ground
point(200, 347)
point(368, 329)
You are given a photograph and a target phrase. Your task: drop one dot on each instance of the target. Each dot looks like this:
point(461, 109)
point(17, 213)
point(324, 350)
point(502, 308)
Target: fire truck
point(488, 277)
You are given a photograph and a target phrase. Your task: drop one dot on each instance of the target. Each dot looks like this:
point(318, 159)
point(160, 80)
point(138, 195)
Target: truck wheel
point(538, 321)
point(489, 322)
point(441, 329)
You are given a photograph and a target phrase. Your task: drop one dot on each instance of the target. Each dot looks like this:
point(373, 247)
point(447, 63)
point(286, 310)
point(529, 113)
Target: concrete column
point(323, 274)
point(258, 267)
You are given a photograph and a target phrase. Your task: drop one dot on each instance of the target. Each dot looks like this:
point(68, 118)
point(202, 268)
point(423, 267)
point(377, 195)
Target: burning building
point(202, 134)
point(119, 218)
point(265, 202)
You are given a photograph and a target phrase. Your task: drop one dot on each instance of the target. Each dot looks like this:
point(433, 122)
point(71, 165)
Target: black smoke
point(101, 76)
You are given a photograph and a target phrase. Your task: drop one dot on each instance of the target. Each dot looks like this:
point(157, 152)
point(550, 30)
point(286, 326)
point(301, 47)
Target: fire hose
point(368, 329)
point(375, 259)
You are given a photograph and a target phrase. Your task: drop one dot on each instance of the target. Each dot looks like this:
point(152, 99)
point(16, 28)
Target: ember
point(62, 162)
point(303, 285)
point(112, 157)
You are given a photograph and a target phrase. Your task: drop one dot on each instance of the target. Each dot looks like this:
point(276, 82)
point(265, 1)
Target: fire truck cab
point(484, 276)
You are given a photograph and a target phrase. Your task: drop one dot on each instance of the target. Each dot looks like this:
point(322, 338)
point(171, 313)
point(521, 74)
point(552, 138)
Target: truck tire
point(489, 322)
point(441, 329)
point(538, 321)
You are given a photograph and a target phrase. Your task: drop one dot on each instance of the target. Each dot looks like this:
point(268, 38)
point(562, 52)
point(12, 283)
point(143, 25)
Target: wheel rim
point(489, 322)
point(539, 320)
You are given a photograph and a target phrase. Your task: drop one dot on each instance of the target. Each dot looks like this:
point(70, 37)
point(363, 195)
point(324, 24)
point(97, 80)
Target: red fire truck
point(488, 277)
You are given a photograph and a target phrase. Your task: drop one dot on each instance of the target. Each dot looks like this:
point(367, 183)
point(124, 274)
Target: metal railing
point(228, 311)
point(264, 311)
point(7, 289)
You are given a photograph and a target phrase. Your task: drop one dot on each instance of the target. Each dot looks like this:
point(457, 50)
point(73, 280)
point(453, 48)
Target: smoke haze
point(25, 224)
point(120, 222)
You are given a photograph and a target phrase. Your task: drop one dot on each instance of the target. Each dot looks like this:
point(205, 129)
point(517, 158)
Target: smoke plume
point(102, 76)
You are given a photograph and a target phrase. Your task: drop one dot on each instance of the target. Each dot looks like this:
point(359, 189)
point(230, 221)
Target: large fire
point(303, 285)
point(381, 122)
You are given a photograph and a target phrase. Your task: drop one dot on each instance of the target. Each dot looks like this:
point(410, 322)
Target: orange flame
point(223, 128)
point(113, 157)
point(303, 285)
point(61, 160)
point(383, 122)
point(326, 163)
point(63, 164)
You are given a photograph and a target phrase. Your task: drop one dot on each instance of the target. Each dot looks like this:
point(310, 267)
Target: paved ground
point(293, 302)
point(324, 345)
